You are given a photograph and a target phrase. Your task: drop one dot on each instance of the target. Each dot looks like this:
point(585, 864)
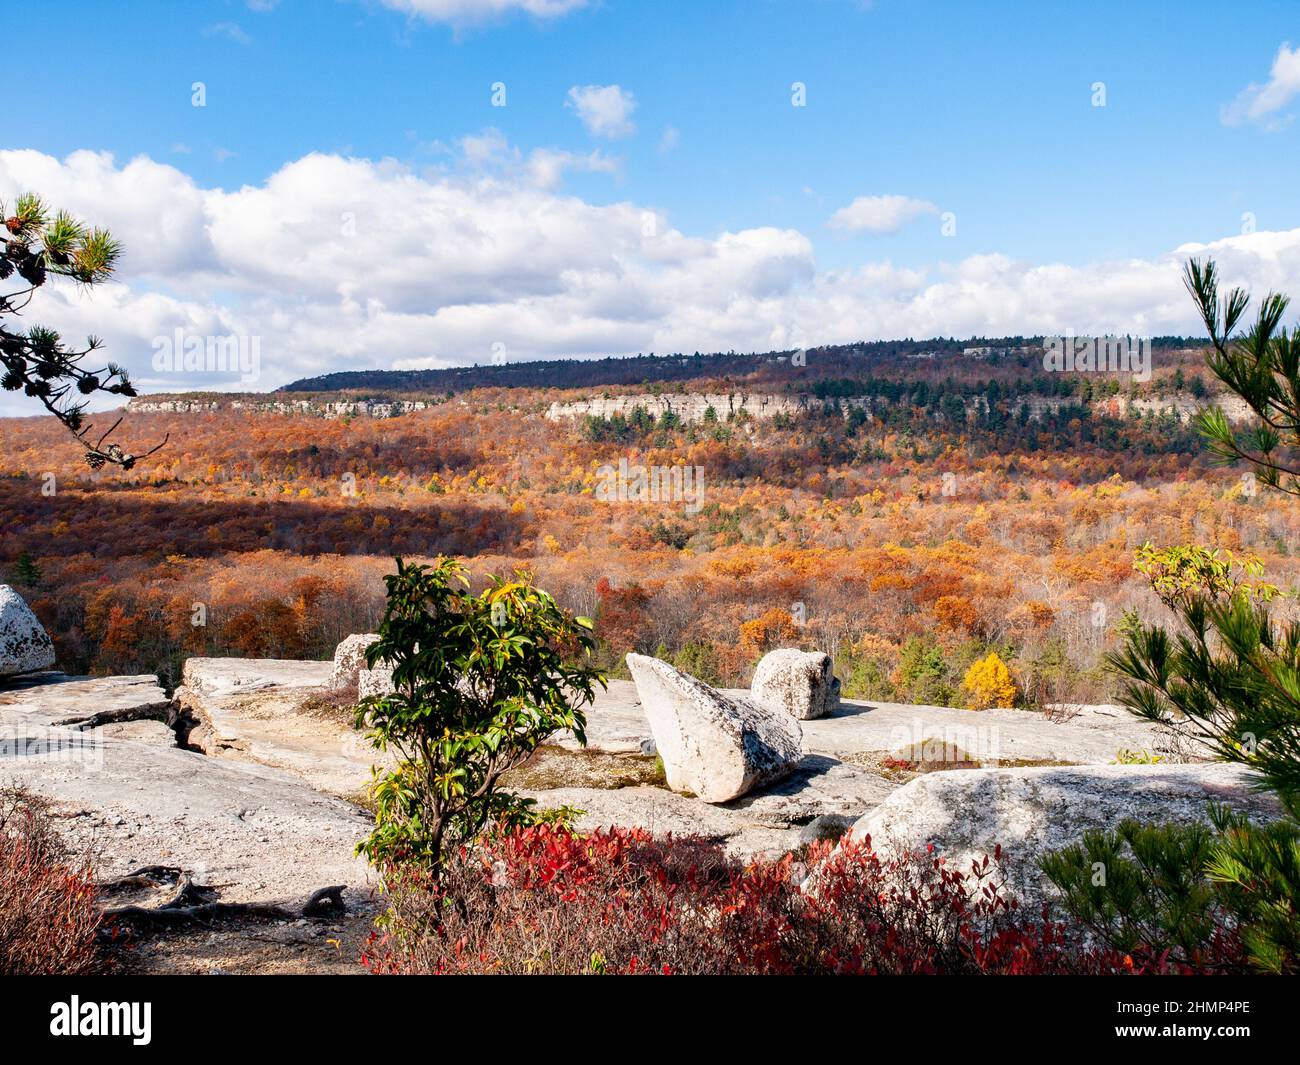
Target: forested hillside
point(949, 517)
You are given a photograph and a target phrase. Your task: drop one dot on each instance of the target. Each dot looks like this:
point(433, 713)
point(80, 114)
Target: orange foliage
point(956, 612)
point(775, 628)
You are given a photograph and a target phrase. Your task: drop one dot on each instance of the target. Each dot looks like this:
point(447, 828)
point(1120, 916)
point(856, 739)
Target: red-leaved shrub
point(48, 912)
point(548, 900)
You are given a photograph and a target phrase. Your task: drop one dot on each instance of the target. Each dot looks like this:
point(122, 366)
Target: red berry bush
point(547, 900)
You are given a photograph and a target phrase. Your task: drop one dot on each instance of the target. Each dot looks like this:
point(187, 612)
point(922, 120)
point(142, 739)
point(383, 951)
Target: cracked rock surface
point(124, 795)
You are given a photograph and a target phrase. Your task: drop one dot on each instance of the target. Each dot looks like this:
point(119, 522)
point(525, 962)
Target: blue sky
point(982, 110)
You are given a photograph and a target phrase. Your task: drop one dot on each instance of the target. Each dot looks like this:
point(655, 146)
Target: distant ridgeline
point(951, 376)
point(776, 367)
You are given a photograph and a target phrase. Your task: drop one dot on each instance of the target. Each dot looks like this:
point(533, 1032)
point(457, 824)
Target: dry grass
point(49, 912)
point(557, 767)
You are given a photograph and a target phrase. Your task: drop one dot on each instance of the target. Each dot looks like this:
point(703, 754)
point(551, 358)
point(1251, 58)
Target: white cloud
point(232, 31)
point(546, 166)
point(1261, 103)
point(606, 110)
point(487, 148)
point(880, 214)
point(344, 263)
point(473, 12)
point(489, 152)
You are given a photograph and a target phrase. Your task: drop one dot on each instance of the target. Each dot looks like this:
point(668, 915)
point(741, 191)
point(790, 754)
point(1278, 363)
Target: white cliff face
point(694, 407)
point(361, 408)
point(690, 407)
point(713, 746)
point(25, 646)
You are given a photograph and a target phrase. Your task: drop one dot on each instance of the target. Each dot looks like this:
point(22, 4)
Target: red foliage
point(545, 900)
point(621, 616)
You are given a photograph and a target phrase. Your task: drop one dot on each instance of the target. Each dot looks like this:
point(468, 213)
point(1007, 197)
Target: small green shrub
point(1124, 756)
point(1142, 890)
point(481, 681)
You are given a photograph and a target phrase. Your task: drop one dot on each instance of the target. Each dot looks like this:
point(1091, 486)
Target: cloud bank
point(343, 263)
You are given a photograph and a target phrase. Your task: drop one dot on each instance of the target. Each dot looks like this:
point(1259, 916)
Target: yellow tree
point(988, 683)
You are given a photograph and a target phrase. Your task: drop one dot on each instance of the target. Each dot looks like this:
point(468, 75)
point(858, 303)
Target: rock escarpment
point(269, 814)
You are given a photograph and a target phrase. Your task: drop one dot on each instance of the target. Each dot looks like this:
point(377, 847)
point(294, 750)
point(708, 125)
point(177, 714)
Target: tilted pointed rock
point(25, 647)
point(713, 746)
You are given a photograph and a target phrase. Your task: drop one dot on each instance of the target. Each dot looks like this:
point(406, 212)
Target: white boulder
point(713, 746)
point(25, 647)
point(377, 681)
point(350, 659)
point(802, 683)
point(350, 668)
point(966, 813)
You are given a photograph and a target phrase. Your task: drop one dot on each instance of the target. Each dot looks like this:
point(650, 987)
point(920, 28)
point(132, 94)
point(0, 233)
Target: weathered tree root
point(324, 901)
point(188, 905)
point(145, 876)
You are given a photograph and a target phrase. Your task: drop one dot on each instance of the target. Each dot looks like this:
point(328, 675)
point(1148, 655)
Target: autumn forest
point(967, 505)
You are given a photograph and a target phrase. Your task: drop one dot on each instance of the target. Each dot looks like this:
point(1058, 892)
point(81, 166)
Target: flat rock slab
point(766, 821)
point(257, 833)
point(1093, 735)
point(662, 812)
point(817, 786)
point(152, 732)
point(253, 710)
point(616, 724)
point(965, 814)
point(43, 699)
point(225, 676)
